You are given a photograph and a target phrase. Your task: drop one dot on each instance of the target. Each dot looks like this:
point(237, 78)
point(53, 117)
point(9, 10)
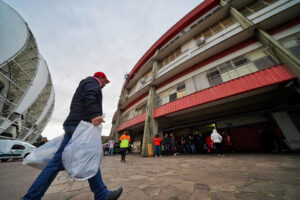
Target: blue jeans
point(157, 150)
point(192, 148)
point(111, 151)
point(43, 181)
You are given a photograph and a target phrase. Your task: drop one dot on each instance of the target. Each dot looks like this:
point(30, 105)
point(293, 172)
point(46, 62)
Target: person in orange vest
point(125, 139)
point(157, 149)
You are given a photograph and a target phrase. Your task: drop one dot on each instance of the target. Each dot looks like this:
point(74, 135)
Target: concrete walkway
point(235, 176)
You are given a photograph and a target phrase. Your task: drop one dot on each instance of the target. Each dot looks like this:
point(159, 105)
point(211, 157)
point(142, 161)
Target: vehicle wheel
point(4, 160)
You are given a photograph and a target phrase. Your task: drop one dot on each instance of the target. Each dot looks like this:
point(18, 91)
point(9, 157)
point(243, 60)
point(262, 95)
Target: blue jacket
point(86, 102)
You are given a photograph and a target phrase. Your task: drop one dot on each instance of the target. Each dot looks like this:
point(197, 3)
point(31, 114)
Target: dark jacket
point(166, 140)
point(86, 102)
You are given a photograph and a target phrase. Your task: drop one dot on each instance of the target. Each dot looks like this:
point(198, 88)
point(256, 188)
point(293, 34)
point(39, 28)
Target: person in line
point(125, 139)
point(217, 139)
point(209, 144)
point(191, 144)
point(167, 143)
point(86, 105)
point(186, 143)
point(182, 145)
point(157, 148)
point(111, 145)
point(173, 144)
point(201, 143)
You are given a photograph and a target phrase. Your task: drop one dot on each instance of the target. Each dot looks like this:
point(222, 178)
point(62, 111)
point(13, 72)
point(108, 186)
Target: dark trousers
point(123, 153)
point(219, 148)
point(48, 174)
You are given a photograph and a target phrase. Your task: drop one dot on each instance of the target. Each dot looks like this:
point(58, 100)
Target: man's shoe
point(115, 194)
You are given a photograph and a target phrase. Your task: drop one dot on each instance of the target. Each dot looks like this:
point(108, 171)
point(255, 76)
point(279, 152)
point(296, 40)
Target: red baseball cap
point(101, 74)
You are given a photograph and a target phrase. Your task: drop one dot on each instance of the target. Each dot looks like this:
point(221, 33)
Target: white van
point(14, 149)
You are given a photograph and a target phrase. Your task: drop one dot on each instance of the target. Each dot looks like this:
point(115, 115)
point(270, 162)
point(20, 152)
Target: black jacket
point(86, 102)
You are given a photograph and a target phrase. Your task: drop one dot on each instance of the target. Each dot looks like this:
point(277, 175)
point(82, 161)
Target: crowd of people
point(189, 144)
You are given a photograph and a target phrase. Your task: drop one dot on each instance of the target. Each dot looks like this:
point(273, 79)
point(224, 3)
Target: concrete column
point(282, 54)
point(289, 130)
point(151, 127)
point(241, 19)
point(124, 97)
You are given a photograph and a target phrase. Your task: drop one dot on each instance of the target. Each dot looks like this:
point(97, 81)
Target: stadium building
point(232, 64)
point(27, 93)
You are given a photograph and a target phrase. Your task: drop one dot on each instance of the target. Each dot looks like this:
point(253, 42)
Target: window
point(255, 6)
point(293, 44)
point(239, 61)
point(172, 56)
point(242, 65)
point(158, 102)
point(264, 62)
point(181, 94)
point(215, 28)
point(214, 77)
point(173, 97)
point(180, 87)
point(17, 147)
point(261, 59)
point(207, 33)
point(140, 109)
point(225, 67)
point(227, 21)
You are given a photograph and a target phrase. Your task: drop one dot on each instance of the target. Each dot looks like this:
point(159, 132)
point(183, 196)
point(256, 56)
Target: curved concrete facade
point(27, 93)
point(221, 66)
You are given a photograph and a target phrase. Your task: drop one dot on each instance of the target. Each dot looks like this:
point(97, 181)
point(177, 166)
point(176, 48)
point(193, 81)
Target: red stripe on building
point(173, 31)
point(244, 84)
point(138, 119)
point(247, 83)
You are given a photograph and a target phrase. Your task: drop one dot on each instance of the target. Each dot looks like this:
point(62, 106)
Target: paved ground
point(235, 176)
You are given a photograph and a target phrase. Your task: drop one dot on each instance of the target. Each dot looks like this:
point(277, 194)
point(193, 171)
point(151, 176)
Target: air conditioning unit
point(200, 41)
point(143, 80)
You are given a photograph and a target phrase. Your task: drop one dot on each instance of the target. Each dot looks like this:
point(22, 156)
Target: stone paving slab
point(191, 177)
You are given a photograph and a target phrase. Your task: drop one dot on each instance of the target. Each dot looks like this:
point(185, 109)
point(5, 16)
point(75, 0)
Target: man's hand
point(97, 120)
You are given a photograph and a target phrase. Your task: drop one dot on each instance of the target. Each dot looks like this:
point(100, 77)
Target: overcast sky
point(80, 37)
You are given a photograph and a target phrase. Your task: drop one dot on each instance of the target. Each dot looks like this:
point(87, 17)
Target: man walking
point(86, 105)
point(125, 139)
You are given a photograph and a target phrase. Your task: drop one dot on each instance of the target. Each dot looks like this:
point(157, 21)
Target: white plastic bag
point(42, 155)
point(83, 153)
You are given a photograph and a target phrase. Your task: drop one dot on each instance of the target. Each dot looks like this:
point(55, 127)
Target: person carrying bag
point(86, 106)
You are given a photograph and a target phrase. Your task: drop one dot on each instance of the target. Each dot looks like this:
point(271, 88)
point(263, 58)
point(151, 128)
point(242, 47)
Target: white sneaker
point(160, 156)
point(156, 156)
point(174, 154)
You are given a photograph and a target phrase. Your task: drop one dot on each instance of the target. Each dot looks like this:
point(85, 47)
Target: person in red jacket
point(209, 144)
point(157, 149)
